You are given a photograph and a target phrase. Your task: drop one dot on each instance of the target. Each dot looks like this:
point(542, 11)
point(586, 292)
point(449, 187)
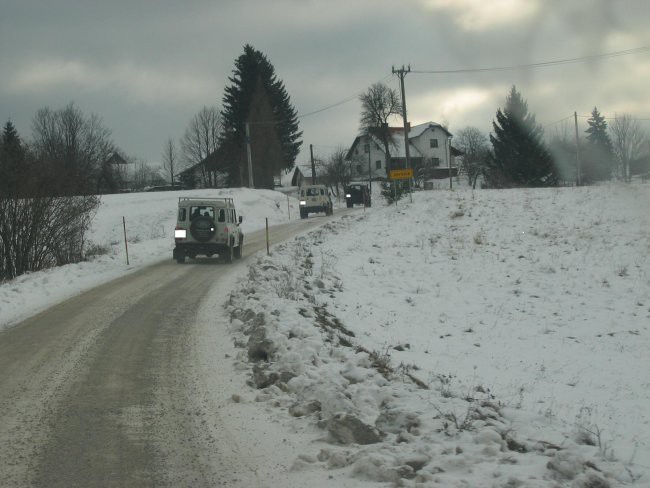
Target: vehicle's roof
point(214, 203)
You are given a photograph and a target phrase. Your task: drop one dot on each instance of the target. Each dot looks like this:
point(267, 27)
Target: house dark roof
point(417, 130)
point(116, 159)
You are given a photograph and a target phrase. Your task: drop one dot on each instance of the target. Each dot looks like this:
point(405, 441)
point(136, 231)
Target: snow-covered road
point(104, 389)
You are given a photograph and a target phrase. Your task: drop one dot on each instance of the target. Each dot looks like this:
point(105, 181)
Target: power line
point(605, 116)
point(544, 64)
point(341, 102)
point(641, 119)
point(558, 121)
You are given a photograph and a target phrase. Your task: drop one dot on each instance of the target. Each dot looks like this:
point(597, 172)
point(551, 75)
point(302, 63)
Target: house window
point(366, 148)
point(378, 164)
point(358, 169)
point(435, 161)
point(433, 142)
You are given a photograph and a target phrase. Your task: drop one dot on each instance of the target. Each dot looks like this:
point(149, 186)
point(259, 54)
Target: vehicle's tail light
point(180, 233)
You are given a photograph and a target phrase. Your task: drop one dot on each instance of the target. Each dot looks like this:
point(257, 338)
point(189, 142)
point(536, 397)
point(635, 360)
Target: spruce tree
point(598, 156)
point(13, 170)
point(519, 156)
point(253, 69)
point(10, 137)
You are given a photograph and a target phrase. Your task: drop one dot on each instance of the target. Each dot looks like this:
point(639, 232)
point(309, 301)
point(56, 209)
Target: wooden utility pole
point(313, 166)
point(449, 161)
point(402, 73)
point(369, 167)
point(575, 118)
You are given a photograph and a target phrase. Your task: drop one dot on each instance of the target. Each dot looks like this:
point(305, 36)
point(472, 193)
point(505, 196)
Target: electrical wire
point(558, 121)
point(341, 102)
point(583, 59)
point(544, 64)
point(606, 116)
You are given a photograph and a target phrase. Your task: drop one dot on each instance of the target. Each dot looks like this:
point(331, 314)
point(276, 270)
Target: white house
point(430, 152)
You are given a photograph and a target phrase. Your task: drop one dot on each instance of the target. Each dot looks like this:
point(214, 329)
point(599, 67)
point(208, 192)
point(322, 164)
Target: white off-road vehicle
point(315, 198)
point(207, 226)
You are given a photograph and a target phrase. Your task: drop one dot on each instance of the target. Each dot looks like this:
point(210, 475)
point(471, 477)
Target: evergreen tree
point(10, 137)
point(598, 155)
point(519, 156)
point(13, 169)
point(253, 69)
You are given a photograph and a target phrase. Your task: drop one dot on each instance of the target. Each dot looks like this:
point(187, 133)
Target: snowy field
point(488, 338)
point(470, 338)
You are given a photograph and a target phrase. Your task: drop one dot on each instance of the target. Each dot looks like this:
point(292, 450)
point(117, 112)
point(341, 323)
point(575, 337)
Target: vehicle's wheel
point(230, 252)
point(331, 210)
point(349, 204)
point(180, 259)
point(368, 204)
point(303, 215)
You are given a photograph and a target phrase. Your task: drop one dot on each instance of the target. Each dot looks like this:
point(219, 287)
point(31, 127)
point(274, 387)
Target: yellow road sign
point(401, 174)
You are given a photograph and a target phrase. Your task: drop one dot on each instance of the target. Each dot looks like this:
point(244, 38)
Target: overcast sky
point(146, 67)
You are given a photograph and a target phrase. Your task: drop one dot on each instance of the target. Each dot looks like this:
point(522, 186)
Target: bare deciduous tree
point(627, 141)
point(378, 105)
point(169, 159)
point(72, 149)
point(474, 145)
point(337, 170)
point(201, 139)
point(145, 175)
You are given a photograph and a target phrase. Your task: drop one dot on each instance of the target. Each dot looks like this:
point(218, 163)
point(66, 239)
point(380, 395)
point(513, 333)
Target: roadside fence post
point(126, 245)
point(267, 237)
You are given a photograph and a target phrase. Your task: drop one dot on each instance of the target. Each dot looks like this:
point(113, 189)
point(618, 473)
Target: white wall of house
point(367, 151)
point(430, 140)
point(433, 143)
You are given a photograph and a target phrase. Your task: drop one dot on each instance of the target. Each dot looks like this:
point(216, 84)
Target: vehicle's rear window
point(201, 211)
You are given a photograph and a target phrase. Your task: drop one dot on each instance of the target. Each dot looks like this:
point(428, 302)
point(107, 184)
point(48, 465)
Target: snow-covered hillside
point(488, 338)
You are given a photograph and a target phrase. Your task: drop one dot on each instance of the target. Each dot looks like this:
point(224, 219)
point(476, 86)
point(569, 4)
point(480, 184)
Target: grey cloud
point(323, 51)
